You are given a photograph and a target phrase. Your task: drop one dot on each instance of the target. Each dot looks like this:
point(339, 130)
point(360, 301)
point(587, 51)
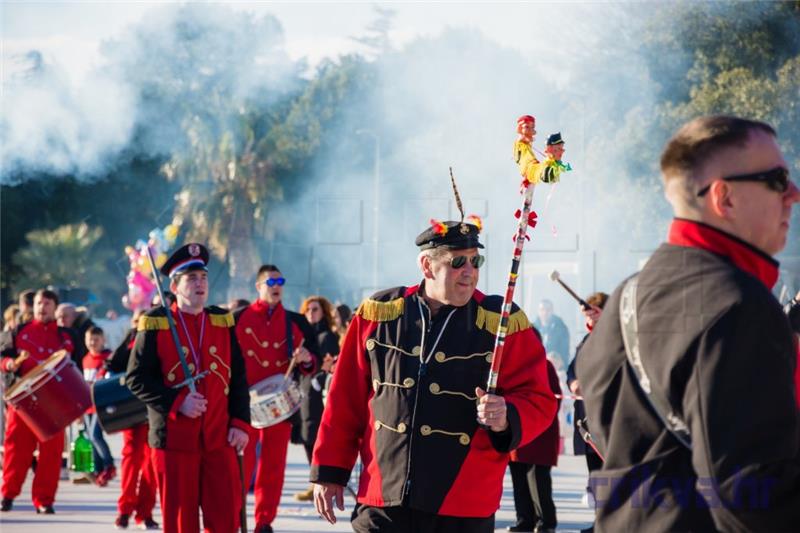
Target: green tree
point(740, 58)
point(68, 256)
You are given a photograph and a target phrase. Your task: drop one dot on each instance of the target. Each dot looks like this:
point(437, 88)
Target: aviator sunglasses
point(776, 179)
point(271, 282)
point(461, 260)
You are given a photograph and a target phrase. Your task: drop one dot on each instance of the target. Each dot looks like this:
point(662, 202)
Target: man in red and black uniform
point(39, 338)
point(407, 396)
point(137, 478)
point(193, 434)
point(699, 426)
point(270, 337)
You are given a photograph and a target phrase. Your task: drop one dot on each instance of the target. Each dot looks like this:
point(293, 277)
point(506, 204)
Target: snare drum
point(51, 396)
point(117, 408)
point(273, 400)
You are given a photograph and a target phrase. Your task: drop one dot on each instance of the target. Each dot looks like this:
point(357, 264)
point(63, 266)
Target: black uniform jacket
point(717, 346)
point(403, 396)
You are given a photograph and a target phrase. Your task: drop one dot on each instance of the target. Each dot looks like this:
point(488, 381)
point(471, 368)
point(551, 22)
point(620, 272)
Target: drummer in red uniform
point(39, 338)
point(193, 434)
point(271, 337)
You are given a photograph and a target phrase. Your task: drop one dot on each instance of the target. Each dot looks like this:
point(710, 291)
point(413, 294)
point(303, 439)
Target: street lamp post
point(376, 189)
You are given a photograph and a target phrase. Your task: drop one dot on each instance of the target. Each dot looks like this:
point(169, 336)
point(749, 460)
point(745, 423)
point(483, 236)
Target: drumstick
point(20, 358)
point(555, 276)
point(292, 362)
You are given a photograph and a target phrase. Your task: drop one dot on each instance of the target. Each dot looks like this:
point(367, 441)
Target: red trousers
point(271, 468)
point(138, 480)
point(188, 481)
point(20, 444)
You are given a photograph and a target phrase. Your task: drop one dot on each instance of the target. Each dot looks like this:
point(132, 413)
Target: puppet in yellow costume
point(529, 166)
point(532, 170)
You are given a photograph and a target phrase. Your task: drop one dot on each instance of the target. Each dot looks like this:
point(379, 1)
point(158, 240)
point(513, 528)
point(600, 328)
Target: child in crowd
point(94, 363)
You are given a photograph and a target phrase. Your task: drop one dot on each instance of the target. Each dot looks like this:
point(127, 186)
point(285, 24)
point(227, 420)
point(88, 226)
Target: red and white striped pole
point(499, 343)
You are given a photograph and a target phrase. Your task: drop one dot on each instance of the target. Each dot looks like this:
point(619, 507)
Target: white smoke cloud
point(49, 125)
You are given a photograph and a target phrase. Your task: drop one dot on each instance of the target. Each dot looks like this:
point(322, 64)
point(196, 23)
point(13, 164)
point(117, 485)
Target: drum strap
point(630, 336)
point(289, 339)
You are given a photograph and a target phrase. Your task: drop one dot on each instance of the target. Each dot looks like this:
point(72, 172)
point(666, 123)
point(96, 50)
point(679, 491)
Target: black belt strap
point(630, 336)
point(289, 338)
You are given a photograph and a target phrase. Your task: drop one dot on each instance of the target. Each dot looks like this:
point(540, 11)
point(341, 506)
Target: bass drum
point(116, 406)
point(51, 396)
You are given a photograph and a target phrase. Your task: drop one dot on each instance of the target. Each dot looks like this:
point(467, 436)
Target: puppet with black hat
point(408, 379)
point(193, 434)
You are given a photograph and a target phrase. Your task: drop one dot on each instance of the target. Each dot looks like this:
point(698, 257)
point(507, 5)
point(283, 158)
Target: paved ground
point(90, 509)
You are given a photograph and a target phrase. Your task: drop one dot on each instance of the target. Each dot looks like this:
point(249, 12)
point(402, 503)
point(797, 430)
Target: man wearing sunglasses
point(271, 337)
point(704, 434)
point(408, 397)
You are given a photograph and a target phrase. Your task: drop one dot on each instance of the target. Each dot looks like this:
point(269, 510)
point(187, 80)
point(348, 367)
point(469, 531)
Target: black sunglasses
point(776, 179)
point(461, 260)
point(271, 282)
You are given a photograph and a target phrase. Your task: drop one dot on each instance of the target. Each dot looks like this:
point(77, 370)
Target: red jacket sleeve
point(524, 383)
point(347, 411)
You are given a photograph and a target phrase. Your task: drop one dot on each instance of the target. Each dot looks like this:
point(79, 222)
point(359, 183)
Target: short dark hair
point(702, 138)
point(47, 293)
point(95, 330)
point(27, 295)
point(264, 270)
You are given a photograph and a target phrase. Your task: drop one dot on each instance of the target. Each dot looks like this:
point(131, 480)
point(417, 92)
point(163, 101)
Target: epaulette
point(383, 306)
point(151, 323)
point(222, 318)
point(490, 320)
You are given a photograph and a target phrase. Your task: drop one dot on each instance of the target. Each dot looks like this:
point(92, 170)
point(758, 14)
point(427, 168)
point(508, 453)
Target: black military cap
point(192, 256)
point(555, 139)
point(449, 234)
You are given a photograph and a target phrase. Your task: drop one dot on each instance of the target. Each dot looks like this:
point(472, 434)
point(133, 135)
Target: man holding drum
point(408, 396)
point(271, 337)
point(193, 434)
point(22, 350)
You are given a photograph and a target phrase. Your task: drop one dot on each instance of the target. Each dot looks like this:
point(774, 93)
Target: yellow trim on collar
point(150, 323)
point(221, 321)
point(490, 321)
point(376, 311)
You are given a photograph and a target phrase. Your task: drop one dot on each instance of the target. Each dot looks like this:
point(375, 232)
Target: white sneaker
point(588, 500)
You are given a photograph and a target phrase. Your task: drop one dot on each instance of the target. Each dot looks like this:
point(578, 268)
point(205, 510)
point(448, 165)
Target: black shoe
point(264, 529)
point(45, 509)
point(7, 504)
point(521, 528)
point(149, 523)
point(122, 521)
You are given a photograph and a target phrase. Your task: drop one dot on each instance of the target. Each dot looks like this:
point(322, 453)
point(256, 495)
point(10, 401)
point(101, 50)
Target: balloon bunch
point(141, 287)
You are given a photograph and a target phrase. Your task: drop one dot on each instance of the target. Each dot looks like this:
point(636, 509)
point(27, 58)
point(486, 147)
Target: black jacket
point(718, 347)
